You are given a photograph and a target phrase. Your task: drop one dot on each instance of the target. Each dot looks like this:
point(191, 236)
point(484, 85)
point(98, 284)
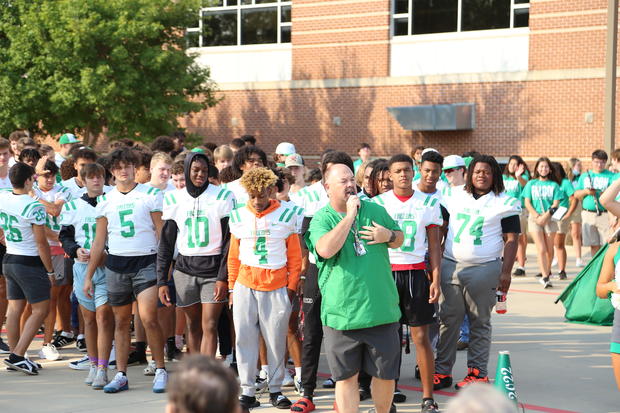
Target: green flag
point(579, 297)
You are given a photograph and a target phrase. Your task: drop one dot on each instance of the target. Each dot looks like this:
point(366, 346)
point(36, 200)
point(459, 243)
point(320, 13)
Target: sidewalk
point(558, 366)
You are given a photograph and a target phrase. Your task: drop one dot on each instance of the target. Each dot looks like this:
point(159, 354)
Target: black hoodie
point(203, 266)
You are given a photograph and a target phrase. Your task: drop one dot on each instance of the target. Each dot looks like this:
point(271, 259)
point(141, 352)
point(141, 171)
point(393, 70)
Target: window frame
point(409, 16)
point(277, 4)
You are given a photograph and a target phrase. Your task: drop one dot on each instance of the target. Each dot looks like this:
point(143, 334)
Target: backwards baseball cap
point(68, 138)
point(285, 148)
point(468, 160)
point(453, 162)
point(199, 150)
point(429, 150)
point(294, 160)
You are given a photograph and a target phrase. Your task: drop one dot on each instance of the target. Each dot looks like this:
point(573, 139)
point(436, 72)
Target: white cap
point(294, 160)
point(429, 150)
point(285, 148)
point(452, 162)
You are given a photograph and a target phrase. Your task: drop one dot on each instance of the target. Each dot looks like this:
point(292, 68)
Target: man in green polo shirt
point(359, 311)
point(589, 188)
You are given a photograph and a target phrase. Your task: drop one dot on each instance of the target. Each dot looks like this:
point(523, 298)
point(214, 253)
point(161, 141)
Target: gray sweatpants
point(466, 289)
point(265, 312)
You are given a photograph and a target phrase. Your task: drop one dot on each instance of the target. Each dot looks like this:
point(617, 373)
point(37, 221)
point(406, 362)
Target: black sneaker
point(538, 275)
point(365, 393)
point(279, 401)
point(4, 348)
point(441, 381)
point(546, 282)
point(399, 397)
point(22, 365)
point(461, 345)
point(136, 358)
point(429, 406)
point(562, 275)
point(519, 272)
point(248, 402)
point(80, 344)
point(173, 353)
point(61, 341)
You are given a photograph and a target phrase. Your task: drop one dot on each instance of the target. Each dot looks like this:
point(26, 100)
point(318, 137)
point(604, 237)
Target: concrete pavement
point(557, 366)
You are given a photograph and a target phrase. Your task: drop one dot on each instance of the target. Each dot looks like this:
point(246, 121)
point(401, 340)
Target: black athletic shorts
point(413, 293)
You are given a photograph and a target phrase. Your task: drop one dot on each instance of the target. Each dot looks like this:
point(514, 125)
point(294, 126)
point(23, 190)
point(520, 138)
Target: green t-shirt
point(567, 192)
point(356, 164)
point(600, 182)
point(542, 194)
point(357, 291)
point(513, 187)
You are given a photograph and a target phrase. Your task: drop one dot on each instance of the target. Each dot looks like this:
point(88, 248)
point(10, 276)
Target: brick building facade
point(538, 89)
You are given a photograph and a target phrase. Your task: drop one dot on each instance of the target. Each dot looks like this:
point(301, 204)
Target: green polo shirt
point(357, 291)
point(542, 194)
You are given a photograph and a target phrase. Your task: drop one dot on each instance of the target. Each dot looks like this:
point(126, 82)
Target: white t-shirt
point(198, 219)
point(262, 241)
point(475, 229)
point(57, 193)
point(59, 159)
point(131, 232)
point(412, 216)
point(77, 191)
point(5, 183)
point(314, 198)
point(17, 215)
point(83, 217)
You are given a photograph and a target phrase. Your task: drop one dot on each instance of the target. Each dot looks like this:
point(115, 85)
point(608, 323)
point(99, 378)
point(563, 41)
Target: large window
point(241, 22)
point(441, 16)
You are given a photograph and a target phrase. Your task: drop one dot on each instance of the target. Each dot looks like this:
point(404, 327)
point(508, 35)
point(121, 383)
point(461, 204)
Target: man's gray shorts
point(193, 290)
point(123, 288)
point(25, 282)
point(375, 350)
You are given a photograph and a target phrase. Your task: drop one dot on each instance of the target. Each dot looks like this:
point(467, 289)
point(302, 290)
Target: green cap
point(467, 160)
point(200, 150)
point(68, 138)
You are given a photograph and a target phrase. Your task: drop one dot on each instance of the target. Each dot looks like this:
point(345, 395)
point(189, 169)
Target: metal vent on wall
point(447, 117)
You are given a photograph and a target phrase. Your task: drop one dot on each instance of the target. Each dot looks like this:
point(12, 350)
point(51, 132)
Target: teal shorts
point(100, 296)
point(615, 334)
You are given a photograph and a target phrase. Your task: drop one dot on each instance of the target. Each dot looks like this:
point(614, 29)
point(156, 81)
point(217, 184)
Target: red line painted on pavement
point(533, 292)
point(452, 394)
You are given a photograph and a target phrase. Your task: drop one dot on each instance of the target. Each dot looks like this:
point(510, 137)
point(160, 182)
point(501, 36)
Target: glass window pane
point(401, 6)
point(265, 1)
point(212, 3)
point(285, 34)
point(485, 14)
point(401, 26)
point(434, 16)
point(285, 14)
point(522, 17)
point(220, 29)
point(259, 26)
point(246, 1)
point(192, 39)
point(521, 1)
point(231, 2)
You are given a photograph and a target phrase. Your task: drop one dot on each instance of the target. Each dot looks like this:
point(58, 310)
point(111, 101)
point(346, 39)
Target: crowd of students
point(208, 250)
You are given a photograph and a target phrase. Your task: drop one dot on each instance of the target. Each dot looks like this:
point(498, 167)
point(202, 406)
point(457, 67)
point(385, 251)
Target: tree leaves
point(117, 66)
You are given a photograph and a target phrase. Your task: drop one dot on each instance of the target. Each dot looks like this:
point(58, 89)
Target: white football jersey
point(262, 241)
point(298, 215)
point(241, 195)
point(449, 191)
point(5, 183)
point(198, 219)
point(474, 229)
point(314, 198)
point(131, 232)
point(57, 193)
point(17, 215)
point(412, 216)
point(83, 217)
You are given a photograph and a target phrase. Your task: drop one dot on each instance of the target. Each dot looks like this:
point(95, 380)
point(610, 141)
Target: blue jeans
point(464, 337)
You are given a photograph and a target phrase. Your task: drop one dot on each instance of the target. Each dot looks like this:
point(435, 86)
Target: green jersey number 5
point(127, 224)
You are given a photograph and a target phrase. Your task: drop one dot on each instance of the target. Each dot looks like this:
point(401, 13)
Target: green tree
point(114, 67)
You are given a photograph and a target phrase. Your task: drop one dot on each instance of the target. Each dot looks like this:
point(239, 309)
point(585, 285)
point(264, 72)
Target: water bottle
point(501, 307)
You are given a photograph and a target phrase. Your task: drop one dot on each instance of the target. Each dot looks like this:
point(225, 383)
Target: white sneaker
point(578, 263)
point(298, 388)
point(81, 364)
point(92, 372)
point(49, 352)
point(101, 379)
point(160, 381)
point(554, 262)
point(288, 380)
point(149, 370)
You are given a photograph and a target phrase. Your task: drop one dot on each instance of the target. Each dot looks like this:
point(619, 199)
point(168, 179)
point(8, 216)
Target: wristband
point(51, 274)
point(230, 291)
point(392, 237)
point(303, 277)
